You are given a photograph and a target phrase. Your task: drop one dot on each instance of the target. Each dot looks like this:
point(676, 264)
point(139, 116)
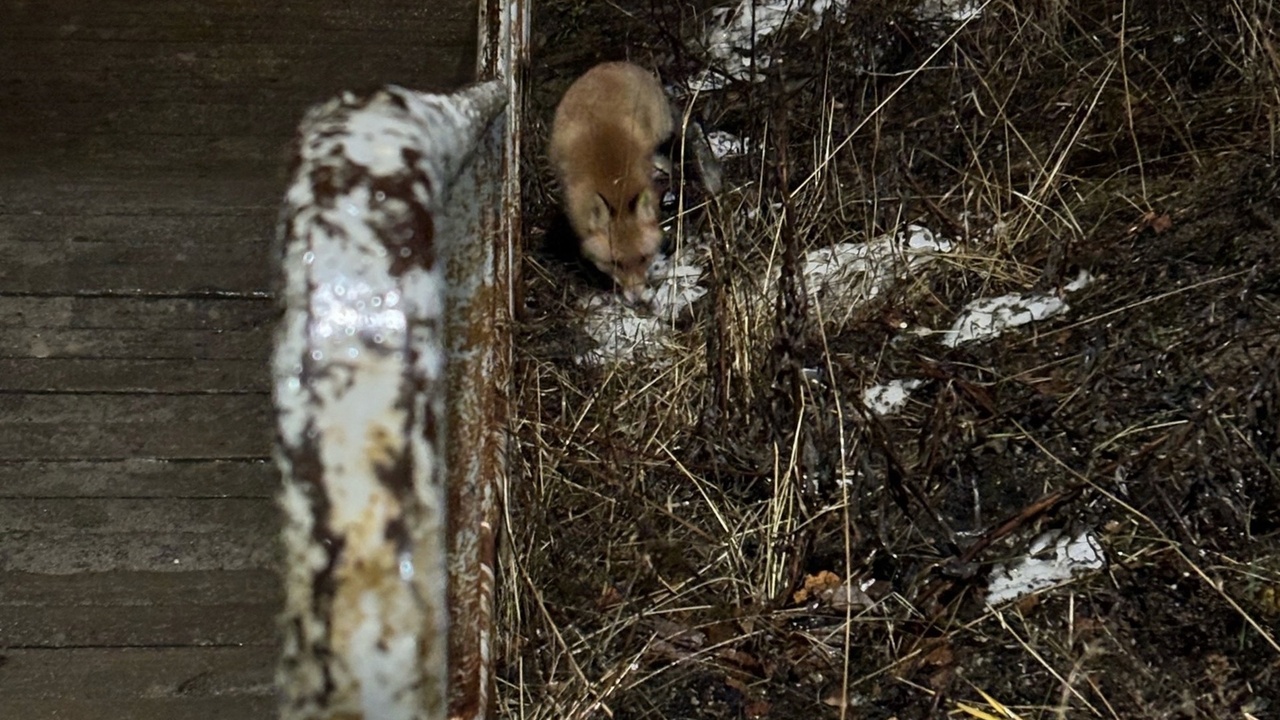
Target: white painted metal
point(360, 378)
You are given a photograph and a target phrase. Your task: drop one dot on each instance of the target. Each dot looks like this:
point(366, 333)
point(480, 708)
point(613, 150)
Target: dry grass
point(681, 533)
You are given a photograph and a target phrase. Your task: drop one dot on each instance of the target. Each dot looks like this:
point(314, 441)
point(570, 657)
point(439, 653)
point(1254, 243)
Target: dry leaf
point(815, 584)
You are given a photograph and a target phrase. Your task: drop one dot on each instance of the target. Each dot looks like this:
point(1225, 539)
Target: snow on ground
point(955, 10)
point(987, 318)
point(889, 398)
point(724, 145)
point(622, 331)
point(839, 279)
point(1062, 558)
point(734, 32)
point(843, 277)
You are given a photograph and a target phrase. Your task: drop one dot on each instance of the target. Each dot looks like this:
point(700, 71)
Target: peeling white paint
point(363, 326)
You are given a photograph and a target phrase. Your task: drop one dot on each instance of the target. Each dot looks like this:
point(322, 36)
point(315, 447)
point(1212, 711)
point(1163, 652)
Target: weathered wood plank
point(254, 25)
point(60, 254)
point(157, 18)
point(63, 536)
point(75, 267)
point(71, 707)
point(141, 27)
point(72, 268)
point(60, 72)
point(142, 609)
point(91, 190)
point(237, 228)
point(155, 344)
point(92, 426)
point(86, 96)
point(109, 516)
point(231, 548)
point(274, 120)
point(139, 478)
point(139, 684)
point(215, 314)
point(109, 375)
point(206, 84)
point(88, 78)
point(205, 154)
point(216, 61)
point(58, 626)
point(153, 328)
point(140, 589)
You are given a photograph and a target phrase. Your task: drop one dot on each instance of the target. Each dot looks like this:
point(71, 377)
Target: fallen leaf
point(815, 584)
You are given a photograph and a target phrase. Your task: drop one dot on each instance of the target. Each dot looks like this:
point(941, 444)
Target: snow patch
point(1070, 556)
point(987, 318)
point(622, 331)
point(735, 31)
point(889, 398)
point(954, 10)
point(725, 144)
point(843, 277)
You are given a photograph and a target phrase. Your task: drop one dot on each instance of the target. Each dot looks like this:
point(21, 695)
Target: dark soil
point(665, 521)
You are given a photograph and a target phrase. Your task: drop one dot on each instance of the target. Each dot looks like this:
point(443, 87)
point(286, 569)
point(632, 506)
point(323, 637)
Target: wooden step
point(138, 683)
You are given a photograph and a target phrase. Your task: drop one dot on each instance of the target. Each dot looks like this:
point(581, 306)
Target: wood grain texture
point(141, 609)
point(207, 84)
point(140, 684)
point(114, 427)
point(61, 536)
point(98, 190)
point(139, 478)
point(110, 375)
point(144, 153)
point(105, 314)
point(151, 328)
point(137, 254)
point(71, 707)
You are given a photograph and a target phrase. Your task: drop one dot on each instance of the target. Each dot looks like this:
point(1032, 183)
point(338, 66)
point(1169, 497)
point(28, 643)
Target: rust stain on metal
point(378, 273)
point(359, 372)
point(481, 348)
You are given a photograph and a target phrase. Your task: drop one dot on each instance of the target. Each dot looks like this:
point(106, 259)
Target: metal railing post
point(361, 367)
point(481, 280)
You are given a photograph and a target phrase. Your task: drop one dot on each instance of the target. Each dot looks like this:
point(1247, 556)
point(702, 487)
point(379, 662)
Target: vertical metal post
point(360, 374)
point(479, 289)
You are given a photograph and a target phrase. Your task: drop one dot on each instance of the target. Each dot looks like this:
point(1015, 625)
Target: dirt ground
point(723, 530)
